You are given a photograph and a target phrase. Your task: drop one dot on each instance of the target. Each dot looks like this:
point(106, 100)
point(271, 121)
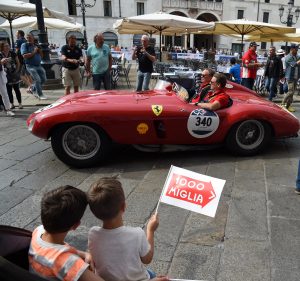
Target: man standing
point(71, 59)
point(250, 66)
point(25, 76)
point(292, 62)
point(235, 71)
point(146, 56)
point(273, 72)
point(32, 55)
point(100, 56)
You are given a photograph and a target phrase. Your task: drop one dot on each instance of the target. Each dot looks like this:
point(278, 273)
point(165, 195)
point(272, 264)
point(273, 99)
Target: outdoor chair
point(115, 75)
point(124, 72)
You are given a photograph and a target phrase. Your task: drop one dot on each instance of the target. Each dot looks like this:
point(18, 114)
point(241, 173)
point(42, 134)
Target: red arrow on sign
point(190, 190)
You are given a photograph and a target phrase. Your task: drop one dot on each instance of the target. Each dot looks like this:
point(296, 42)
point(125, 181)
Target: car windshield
point(180, 91)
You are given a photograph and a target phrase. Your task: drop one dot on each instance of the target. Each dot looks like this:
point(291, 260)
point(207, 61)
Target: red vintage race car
point(83, 126)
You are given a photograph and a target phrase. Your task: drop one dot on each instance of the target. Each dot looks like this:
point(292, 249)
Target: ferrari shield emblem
point(157, 109)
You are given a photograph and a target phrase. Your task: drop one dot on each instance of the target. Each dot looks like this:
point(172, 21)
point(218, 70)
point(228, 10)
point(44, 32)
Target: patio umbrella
point(12, 9)
point(280, 37)
point(244, 27)
point(161, 23)
point(50, 23)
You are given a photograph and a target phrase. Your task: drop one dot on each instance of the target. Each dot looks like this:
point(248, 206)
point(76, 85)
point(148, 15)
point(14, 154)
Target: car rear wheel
point(80, 145)
point(248, 137)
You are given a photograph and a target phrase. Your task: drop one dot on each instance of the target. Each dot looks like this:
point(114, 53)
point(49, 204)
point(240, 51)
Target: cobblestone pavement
point(254, 236)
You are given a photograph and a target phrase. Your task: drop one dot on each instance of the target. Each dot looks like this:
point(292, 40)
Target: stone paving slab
point(247, 217)
point(198, 262)
point(245, 260)
point(285, 242)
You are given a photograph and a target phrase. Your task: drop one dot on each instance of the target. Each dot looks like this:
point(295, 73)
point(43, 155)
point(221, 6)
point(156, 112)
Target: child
point(118, 251)
point(49, 256)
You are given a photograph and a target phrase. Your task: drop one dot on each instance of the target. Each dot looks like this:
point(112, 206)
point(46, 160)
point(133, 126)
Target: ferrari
point(83, 126)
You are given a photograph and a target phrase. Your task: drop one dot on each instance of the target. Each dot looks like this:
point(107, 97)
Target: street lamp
point(289, 21)
point(43, 40)
point(82, 6)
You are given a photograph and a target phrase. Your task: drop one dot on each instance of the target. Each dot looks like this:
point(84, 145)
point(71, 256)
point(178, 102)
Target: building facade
point(103, 13)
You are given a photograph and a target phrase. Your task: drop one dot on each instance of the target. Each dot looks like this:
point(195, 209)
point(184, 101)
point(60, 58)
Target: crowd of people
point(23, 63)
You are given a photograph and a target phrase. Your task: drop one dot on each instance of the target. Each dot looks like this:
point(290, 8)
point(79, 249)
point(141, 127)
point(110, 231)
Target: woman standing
point(12, 66)
point(3, 90)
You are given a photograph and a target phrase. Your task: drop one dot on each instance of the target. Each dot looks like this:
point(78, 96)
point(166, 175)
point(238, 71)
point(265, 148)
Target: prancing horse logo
point(157, 109)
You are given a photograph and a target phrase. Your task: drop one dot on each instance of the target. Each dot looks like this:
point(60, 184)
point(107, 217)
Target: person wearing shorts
point(71, 59)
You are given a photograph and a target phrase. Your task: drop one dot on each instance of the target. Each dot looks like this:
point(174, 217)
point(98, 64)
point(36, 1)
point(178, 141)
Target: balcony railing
point(193, 4)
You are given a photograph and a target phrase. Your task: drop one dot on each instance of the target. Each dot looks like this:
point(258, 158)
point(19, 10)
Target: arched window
point(35, 34)
point(79, 37)
point(137, 39)
point(4, 36)
point(110, 38)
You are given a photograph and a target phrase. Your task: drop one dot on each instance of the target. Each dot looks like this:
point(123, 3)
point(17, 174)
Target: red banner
point(190, 190)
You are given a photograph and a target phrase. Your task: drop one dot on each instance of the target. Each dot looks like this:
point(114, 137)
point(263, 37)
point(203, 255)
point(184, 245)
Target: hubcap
point(81, 142)
point(250, 134)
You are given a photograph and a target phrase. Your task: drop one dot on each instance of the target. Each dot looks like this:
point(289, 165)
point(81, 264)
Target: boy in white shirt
point(118, 251)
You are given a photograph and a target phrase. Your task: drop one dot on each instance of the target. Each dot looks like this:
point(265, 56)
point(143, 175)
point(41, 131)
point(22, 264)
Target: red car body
point(160, 117)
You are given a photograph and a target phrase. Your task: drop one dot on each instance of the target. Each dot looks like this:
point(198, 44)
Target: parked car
point(83, 126)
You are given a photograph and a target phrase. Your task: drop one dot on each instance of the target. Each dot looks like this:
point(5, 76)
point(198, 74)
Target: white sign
point(192, 191)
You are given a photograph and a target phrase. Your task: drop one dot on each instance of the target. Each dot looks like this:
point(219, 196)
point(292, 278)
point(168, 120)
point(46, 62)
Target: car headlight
point(31, 124)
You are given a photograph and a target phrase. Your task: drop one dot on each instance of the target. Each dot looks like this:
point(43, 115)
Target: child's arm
point(151, 227)
point(88, 275)
point(87, 257)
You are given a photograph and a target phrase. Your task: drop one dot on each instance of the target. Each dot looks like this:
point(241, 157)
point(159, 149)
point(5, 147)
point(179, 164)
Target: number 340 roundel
point(202, 123)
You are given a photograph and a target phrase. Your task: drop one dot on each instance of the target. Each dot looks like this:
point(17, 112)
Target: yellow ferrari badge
point(157, 109)
point(142, 128)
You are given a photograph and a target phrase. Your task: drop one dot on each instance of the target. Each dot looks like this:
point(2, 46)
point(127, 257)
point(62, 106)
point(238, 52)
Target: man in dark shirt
point(273, 72)
point(71, 59)
point(146, 56)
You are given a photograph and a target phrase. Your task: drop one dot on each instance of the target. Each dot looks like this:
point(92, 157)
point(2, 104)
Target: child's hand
point(153, 223)
point(88, 259)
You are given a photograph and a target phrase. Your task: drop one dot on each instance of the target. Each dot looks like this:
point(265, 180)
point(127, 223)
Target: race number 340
point(202, 123)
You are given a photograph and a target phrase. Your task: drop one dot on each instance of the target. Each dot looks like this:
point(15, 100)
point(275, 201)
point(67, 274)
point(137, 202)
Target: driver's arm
point(210, 106)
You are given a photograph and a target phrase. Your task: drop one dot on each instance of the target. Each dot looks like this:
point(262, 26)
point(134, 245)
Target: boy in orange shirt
point(49, 256)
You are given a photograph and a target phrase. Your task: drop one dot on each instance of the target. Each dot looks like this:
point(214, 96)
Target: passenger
point(118, 251)
point(216, 98)
point(206, 77)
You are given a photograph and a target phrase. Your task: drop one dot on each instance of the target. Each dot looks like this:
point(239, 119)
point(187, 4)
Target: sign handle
point(162, 192)
point(157, 206)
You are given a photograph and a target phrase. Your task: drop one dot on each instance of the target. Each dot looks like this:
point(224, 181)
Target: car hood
point(114, 97)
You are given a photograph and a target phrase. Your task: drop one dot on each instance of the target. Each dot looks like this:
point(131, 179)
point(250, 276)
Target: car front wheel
point(248, 137)
point(80, 145)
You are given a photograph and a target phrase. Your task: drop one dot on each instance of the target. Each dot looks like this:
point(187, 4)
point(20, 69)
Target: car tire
point(248, 137)
point(80, 145)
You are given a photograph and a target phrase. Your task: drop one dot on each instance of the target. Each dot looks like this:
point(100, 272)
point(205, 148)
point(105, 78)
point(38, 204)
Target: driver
point(216, 98)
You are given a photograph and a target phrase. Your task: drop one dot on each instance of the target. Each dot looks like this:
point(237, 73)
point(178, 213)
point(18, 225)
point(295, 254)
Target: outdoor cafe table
point(180, 68)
